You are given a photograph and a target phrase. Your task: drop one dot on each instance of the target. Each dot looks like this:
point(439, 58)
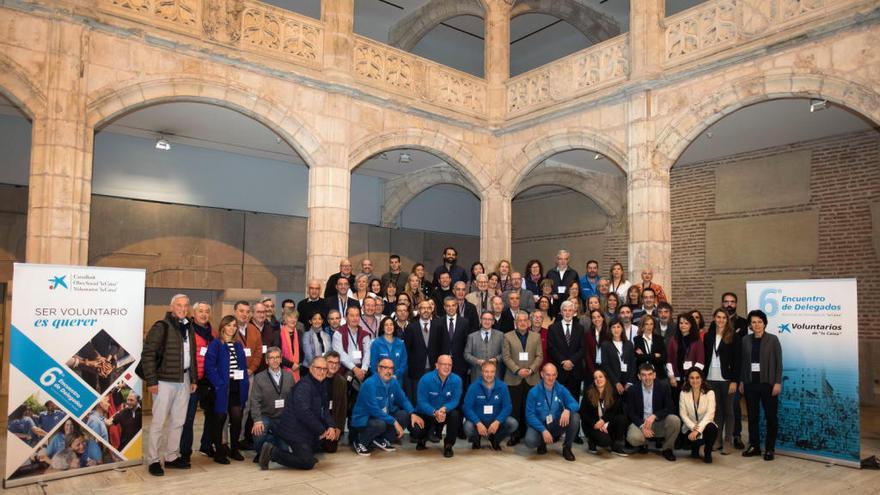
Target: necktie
point(451, 327)
point(568, 334)
point(425, 330)
point(483, 302)
point(486, 338)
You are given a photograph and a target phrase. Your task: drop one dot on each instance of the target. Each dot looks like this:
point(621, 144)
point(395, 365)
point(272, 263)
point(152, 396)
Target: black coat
point(306, 413)
point(559, 351)
point(590, 413)
point(611, 362)
point(505, 323)
point(662, 403)
point(417, 352)
point(455, 346)
point(658, 345)
point(333, 303)
point(470, 313)
point(330, 288)
point(564, 281)
point(729, 354)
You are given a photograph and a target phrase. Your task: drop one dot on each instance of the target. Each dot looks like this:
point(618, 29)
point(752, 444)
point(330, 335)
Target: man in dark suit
point(340, 301)
point(465, 309)
point(442, 290)
point(425, 340)
point(344, 272)
point(655, 421)
point(562, 275)
point(565, 345)
point(503, 319)
point(457, 329)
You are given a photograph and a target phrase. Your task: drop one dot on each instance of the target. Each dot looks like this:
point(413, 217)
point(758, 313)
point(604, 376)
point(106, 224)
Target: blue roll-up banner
point(818, 328)
point(74, 399)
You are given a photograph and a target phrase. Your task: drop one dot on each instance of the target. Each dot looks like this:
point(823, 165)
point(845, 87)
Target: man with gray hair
point(562, 275)
point(527, 298)
point(268, 392)
point(168, 360)
point(480, 298)
point(201, 323)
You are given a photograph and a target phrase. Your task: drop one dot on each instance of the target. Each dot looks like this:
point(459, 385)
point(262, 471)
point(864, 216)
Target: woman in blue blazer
point(226, 369)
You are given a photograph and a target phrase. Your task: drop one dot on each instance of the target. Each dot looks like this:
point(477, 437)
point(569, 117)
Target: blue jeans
point(268, 424)
point(376, 428)
point(505, 430)
point(534, 438)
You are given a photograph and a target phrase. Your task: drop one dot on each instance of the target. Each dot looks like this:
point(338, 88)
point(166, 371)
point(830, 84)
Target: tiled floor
point(510, 472)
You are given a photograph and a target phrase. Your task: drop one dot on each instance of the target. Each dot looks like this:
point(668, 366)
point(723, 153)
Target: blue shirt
point(378, 399)
point(434, 394)
point(541, 403)
point(395, 350)
point(648, 399)
point(478, 397)
point(588, 288)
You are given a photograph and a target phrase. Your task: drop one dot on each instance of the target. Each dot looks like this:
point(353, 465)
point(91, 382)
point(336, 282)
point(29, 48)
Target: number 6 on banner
point(767, 301)
point(50, 376)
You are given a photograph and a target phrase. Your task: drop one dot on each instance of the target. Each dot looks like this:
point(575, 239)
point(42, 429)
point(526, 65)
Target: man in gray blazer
point(483, 345)
point(527, 299)
point(269, 389)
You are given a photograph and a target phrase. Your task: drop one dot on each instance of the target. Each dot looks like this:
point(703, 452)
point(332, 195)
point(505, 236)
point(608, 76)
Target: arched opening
point(208, 200)
point(783, 189)
point(573, 200)
point(412, 202)
point(310, 8)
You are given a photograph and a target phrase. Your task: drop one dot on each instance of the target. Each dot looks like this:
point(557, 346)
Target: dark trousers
point(234, 412)
point(710, 434)
point(453, 424)
point(299, 455)
point(723, 409)
point(329, 447)
point(203, 397)
point(759, 395)
point(571, 382)
point(737, 413)
point(518, 394)
point(534, 438)
point(376, 428)
point(615, 436)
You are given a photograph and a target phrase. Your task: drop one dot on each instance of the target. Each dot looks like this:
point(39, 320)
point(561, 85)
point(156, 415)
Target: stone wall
point(13, 227)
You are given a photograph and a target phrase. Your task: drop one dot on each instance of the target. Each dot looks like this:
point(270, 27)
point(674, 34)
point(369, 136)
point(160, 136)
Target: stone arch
point(436, 143)
point(674, 139)
point(109, 103)
point(544, 147)
point(401, 190)
point(407, 32)
point(607, 191)
point(17, 85)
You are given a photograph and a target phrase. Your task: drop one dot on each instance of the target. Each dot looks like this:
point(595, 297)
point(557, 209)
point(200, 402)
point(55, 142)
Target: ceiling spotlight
point(405, 158)
point(163, 144)
point(598, 156)
point(709, 135)
point(817, 105)
point(384, 156)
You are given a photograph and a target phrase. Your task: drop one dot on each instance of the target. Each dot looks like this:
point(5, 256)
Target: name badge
point(247, 352)
point(203, 351)
point(487, 409)
point(279, 403)
point(687, 365)
point(623, 367)
point(756, 367)
point(264, 349)
point(238, 374)
point(548, 419)
point(560, 290)
point(524, 356)
point(356, 354)
point(385, 410)
point(330, 407)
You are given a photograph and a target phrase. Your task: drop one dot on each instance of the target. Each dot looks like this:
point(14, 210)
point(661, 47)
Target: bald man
point(552, 413)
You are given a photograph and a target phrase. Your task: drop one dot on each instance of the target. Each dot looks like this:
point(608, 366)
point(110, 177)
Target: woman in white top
point(696, 406)
point(619, 283)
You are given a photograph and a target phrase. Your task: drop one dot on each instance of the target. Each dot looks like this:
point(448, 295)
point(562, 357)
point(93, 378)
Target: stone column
point(650, 221)
point(59, 196)
point(646, 37)
point(495, 225)
point(497, 57)
point(338, 19)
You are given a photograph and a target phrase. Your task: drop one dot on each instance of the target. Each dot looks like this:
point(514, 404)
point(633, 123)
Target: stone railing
point(580, 73)
point(397, 71)
point(248, 25)
point(718, 24)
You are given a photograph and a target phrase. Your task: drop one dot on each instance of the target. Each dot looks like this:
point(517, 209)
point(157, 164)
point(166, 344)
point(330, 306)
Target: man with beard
point(458, 274)
point(590, 281)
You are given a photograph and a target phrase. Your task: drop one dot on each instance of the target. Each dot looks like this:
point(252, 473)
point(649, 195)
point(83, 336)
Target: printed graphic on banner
point(74, 402)
point(817, 325)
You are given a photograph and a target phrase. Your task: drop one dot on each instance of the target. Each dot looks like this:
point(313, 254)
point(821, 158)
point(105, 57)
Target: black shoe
point(769, 455)
point(567, 454)
point(513, 440)
point(421, 445)
point(245, 445)
point(447, 451)
point(257, 457)
point(221, 460)
point(179, 463)
point(542, 449)
point(156, 469)
point(461, 435)
point(669, 455)
point(494, 443)
point(434, 437)
point(579, 440)
point(738, 443)
point(707, 457)
point(591, 447)
point(752, 451)
point(695, 453)
point(207, 452)
point(619, 451)
point(236, 455)
point(643, 449)
point(265, 456)
point(476, 444)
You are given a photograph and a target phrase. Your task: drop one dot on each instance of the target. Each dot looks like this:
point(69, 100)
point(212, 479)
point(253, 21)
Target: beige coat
point(510, 355)
point(705, 411)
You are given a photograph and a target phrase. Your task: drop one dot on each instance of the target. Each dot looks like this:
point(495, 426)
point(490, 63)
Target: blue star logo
point(784, 328)
point(56, 282)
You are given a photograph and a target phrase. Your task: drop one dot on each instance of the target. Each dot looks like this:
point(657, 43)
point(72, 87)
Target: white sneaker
point(384, 445)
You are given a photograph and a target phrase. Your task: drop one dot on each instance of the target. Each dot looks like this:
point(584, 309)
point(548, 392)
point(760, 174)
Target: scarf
point(290, 349)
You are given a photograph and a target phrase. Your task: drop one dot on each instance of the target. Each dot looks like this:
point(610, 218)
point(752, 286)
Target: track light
point(163, 144)
point(817, 105)
point(405, 158)
point(709, 135)
point(598, 156)
point(384, 156)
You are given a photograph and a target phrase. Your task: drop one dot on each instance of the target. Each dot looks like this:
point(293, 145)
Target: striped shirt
point(233, 360)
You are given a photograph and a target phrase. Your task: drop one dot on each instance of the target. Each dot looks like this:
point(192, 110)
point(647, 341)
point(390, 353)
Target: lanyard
point(550, 398)
point(277, 386)
point(372, 331)
point(353, 339)
point(697, 406)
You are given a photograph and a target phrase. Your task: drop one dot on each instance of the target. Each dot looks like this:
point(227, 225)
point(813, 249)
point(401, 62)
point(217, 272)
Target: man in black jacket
point(465, 309)
point(562, 275)
point(565, 345)
point(305, 421)
point(458, 274)
point(340, 300)
point(330, 290)
point(654, 420)
point(425, 340)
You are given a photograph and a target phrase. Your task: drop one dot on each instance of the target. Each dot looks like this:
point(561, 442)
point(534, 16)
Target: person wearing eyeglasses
point(269, 390)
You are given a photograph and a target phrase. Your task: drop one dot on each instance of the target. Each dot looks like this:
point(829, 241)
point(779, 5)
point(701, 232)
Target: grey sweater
point(771, 359)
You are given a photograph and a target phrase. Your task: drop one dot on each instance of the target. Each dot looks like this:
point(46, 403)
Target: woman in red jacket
point(684, 351)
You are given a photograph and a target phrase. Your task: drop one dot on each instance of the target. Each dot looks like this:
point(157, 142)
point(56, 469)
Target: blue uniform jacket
point(478, 396)
point(433, 394)
point(396, 351)
point(378, 399)
point(541, 403)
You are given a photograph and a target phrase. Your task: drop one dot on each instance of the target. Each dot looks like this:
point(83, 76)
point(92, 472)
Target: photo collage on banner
point(816, 322)
point(74, 398)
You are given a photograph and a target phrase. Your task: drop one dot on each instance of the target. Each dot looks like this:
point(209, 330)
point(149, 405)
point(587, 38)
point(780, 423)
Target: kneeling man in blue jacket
point(439, 393)
point(487, 409)
point(381, 412)
point(551, 412)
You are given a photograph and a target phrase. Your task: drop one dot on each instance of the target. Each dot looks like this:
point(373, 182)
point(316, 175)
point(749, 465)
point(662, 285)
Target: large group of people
point(495, 359)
